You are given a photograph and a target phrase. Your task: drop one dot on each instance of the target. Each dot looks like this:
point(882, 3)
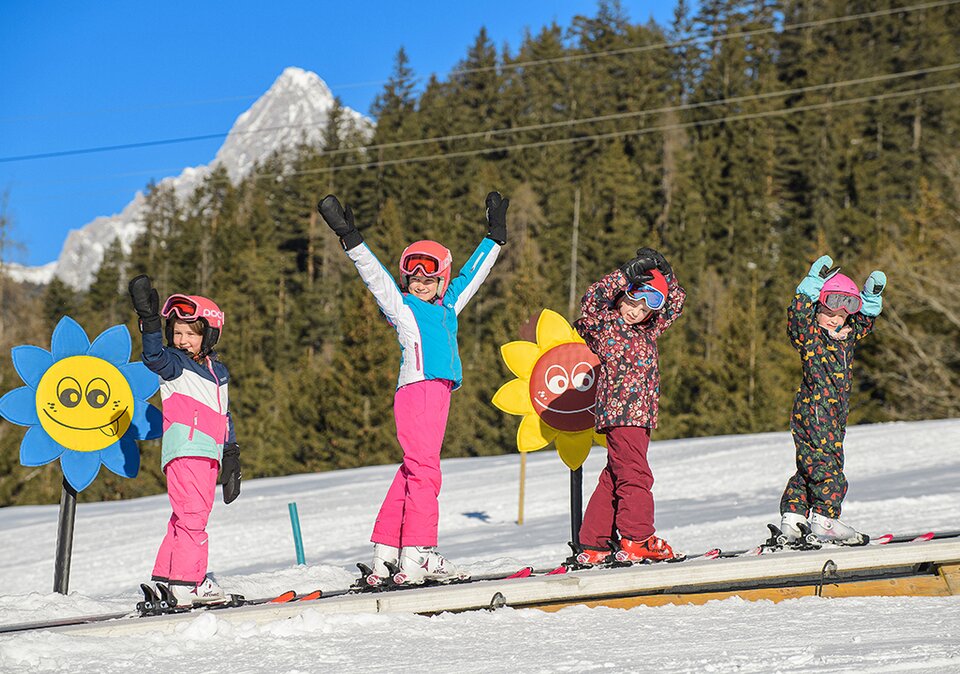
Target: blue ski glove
point(872, 287)
point(819, 272)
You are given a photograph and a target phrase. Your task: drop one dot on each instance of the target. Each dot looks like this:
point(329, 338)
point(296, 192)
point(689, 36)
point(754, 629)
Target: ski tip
point(525, 572)
point(712, 554)
point(289, 595)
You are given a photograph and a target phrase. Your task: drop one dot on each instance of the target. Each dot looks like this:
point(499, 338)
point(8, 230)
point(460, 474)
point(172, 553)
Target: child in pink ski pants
point(423, 309)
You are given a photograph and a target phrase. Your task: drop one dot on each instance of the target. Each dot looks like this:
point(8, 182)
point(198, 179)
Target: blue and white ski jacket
point(196, 421)
point(427, 331)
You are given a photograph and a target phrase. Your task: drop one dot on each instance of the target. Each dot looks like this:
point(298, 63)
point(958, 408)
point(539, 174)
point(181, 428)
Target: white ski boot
point(206, 592)
point(420, 563)
point(383, 554)
point(790, 526)
point(829, 530)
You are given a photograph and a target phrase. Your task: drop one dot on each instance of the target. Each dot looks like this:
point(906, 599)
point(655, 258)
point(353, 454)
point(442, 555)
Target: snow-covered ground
point(710, 492)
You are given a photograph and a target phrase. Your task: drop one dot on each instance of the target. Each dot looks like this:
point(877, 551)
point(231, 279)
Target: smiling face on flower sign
point(563, 386)
point(84, 403)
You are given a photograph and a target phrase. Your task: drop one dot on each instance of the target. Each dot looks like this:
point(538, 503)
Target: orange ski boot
point(651, 549)
point(592, 556)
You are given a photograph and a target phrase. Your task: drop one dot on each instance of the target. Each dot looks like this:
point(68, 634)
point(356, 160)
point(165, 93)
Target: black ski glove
point(637, 270)
point(146, 302)
point(230, 472)
point(497, 217)
point(340, 221)
point(661, 262)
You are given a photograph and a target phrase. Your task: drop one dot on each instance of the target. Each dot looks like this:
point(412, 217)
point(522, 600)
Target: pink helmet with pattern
point(839, 292)
point(190, 308)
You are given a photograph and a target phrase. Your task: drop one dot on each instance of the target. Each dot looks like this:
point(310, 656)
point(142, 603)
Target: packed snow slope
point(710, 492)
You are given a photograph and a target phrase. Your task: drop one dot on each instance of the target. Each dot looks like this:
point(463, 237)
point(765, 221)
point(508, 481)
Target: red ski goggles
point(653, 297)
point(420, 263)
point(842, 302)
point(182, 306)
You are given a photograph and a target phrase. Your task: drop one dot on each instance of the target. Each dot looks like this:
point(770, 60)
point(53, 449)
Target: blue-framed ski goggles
point(653, 297)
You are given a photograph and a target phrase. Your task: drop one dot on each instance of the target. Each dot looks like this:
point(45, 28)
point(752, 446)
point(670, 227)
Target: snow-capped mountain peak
point(293, 111)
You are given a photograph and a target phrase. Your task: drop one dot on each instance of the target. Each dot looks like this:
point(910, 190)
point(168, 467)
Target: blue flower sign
point(83, 403)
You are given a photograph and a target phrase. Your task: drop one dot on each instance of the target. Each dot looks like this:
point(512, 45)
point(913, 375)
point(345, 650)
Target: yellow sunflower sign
point(554, 392)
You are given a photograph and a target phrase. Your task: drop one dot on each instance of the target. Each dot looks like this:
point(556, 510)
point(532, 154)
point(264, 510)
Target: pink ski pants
point(191, 486)
point(410, 511)
point(623, 500)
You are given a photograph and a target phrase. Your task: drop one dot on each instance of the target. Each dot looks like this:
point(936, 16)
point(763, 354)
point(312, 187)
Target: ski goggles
point(653, 297)
point(842, 302)
point(182, 307)
point(420, 263)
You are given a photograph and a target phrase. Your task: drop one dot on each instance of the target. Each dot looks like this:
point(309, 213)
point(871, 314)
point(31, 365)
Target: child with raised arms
point(623, 316)
point(198, 434)
point(826, 319)
point(423, 309)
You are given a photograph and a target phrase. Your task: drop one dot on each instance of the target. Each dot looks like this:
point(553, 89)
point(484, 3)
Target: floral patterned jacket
point(628, 388)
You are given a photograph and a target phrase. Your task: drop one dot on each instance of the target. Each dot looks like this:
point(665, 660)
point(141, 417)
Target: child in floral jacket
point(623, 316)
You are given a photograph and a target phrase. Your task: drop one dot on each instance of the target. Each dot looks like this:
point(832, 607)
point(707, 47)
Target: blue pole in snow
point(297, 538)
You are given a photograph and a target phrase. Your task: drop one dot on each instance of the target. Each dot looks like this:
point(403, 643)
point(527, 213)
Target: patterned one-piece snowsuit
point(819, 418)
point(628, 398)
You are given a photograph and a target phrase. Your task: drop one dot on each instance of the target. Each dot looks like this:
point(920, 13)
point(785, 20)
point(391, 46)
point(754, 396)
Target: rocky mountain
point(292, 111)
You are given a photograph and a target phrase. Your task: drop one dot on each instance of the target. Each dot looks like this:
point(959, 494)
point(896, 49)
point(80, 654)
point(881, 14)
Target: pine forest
point(742, 141)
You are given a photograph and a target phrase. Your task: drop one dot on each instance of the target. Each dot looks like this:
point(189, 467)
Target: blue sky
point(86, 74)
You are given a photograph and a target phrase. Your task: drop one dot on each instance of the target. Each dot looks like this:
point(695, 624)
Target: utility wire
point(615, 116)
point(601, 136)
point(511, 66)
point(714, 38)
point(641, 113)
point(619, 134)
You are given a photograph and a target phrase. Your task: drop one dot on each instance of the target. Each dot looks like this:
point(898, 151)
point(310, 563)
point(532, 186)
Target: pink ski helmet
point(426, 258)
point(839, 292)
point(190, 308)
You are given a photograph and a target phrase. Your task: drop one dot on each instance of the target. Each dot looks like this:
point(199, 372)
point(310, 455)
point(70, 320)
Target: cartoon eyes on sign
point(561, 387)
point(555, 390)
point(84, 416)
point(83, 403)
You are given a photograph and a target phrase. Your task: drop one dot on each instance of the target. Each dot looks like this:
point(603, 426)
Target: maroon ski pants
point(622, 501)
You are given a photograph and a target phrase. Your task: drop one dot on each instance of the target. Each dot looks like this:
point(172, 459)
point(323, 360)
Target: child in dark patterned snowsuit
point(825, 321)
point(623, 315)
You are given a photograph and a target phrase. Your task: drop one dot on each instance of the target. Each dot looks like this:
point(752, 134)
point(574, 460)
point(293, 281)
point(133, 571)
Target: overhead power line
point(488, 133)
point(619, 134)
point(531, 127)
point(602, 136)
point(641, 113)
point(509, 66)
point(707, 39)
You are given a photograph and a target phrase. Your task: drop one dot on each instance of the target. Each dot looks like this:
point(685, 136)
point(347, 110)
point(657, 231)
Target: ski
point(915, 538)
point(369, 582)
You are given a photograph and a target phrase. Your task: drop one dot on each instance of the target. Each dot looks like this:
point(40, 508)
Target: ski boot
point(206, 591)
point(790, 527)
point(384, 567)
point(588, 556)
point(829, 530)
point(419, 564)
point(650, 549)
